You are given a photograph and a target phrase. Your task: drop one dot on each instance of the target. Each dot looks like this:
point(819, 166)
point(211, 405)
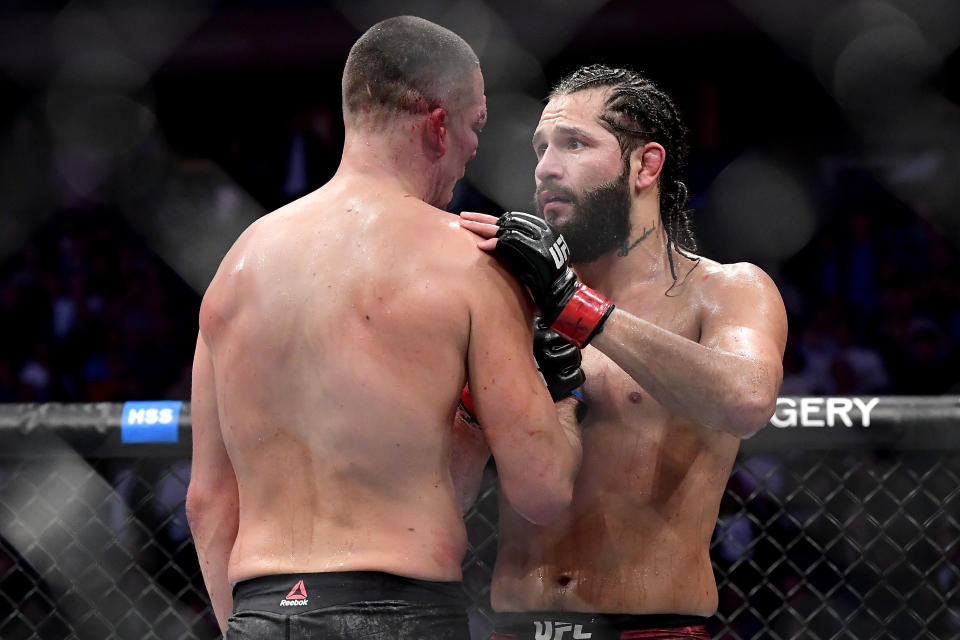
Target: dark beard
point(600, 222)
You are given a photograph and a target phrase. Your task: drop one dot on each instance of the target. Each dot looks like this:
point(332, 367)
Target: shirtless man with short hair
point(335, 340)
point(684, 361)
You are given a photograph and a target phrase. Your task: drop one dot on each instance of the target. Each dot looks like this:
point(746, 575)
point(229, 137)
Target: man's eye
point(540, 149)
point(573, 143)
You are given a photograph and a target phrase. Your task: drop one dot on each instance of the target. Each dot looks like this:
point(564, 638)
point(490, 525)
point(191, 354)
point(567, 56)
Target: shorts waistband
point(549, 624)
point(293, 592)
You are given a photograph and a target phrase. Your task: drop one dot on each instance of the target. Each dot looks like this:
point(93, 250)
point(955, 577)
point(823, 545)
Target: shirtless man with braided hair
point(684, 360)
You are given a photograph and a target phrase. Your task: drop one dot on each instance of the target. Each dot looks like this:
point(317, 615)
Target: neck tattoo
point(624, 249)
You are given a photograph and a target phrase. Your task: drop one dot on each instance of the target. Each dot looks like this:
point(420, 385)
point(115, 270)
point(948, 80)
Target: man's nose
point(549, 166)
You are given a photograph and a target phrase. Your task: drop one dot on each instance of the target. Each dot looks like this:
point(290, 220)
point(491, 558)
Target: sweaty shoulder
point(221, 298)
point(718, 279)
point(742, 295)
point(439, 233)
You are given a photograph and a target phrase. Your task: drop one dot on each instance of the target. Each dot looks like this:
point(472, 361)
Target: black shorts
point(554, 625)
point(346, 605)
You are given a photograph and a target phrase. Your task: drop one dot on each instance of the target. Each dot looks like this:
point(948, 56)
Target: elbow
point(194, 508)
point(214, 500)
point(202, 507)
point(750, 413)
point(544, 508)
point(541, 497)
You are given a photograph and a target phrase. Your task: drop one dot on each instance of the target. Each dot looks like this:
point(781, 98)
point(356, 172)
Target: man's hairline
point(449, 104)
point(598, 119)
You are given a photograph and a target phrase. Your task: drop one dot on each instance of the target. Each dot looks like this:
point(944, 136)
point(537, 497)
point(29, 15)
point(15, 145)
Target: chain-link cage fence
point(93, 540)
point(840, 521)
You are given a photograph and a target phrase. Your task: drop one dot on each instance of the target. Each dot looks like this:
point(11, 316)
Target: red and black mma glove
point(539, 257)
point(558, 361)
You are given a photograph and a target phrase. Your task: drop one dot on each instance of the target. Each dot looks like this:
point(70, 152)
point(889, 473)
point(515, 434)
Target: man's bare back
point(335, 338)
point(338, 345)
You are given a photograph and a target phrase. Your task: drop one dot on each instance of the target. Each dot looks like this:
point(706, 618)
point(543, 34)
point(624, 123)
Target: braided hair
point(637, 111)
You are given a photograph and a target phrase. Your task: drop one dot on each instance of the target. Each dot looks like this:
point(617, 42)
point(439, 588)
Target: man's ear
point(436, 131)
point(646, 163)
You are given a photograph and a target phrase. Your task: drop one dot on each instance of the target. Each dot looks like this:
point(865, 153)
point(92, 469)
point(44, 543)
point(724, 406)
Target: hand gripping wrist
point(465, 407)
point(582, 315)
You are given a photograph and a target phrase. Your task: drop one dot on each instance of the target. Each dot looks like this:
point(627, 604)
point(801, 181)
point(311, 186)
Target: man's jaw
point(557, 211)
point(554, 204)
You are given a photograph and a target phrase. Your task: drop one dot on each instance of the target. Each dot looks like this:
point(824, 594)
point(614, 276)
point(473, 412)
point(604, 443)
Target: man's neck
point(391, 159)
point(642, 259)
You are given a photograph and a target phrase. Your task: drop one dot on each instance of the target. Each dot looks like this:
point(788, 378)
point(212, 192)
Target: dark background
point(138, 140)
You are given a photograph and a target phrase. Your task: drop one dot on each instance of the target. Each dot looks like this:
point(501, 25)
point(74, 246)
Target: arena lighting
point(876, 58)
point(106, 147)
point(757, 209)
point(503, 169)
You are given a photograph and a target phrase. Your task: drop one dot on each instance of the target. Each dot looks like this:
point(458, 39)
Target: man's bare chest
point(609, 391)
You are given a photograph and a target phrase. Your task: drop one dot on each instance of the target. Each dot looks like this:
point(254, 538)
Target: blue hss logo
point(150, 421)
point(150, 416)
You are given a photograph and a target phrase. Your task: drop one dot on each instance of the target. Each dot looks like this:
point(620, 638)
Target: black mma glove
point(539, 258)
point(557, 359)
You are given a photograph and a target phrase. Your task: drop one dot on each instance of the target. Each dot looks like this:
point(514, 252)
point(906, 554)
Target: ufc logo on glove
point(560, 252)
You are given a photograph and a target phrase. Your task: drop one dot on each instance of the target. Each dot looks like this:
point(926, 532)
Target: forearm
point(469, 456)
point(567, 414)
point(722, 390)
point(537, 473)
point(214, 534)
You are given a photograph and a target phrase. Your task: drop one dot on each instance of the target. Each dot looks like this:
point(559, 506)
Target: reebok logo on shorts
point(297, 596)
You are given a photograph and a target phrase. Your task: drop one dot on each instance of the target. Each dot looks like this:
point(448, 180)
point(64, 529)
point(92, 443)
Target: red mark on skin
point(410, 529)
point(636, 396)
point(407, 195)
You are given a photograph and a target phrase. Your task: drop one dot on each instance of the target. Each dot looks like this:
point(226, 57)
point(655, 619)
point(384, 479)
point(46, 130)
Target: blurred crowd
point(90, 314)
point(873, 303)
